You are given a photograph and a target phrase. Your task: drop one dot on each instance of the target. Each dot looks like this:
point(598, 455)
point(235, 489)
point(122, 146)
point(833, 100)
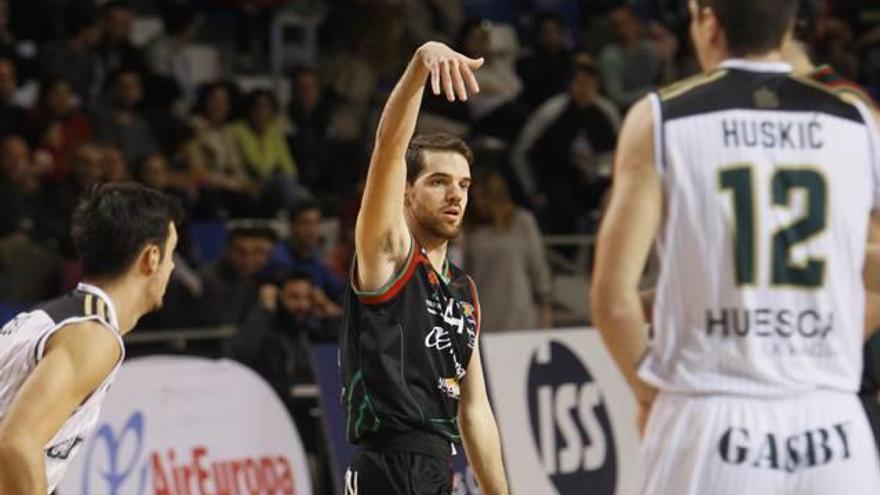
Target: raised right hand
point(451, 72)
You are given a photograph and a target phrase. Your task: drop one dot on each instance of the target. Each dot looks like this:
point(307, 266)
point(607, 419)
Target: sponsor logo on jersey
point(570, 423)
point(784, 331)
point(795, 452)
point(438, 338)
point(450, 387)
point(63, 450)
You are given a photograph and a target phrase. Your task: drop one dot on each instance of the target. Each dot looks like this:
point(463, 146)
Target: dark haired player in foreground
point(758, 185)
point(58, 359)
point(410, 357)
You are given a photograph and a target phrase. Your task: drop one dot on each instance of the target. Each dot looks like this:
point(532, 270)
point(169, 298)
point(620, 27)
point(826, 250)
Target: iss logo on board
point(570, 422)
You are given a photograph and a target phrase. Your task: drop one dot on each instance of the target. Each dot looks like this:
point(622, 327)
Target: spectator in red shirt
point(57, 125)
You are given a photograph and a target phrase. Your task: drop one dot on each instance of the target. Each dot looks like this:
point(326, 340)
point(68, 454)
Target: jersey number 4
point(784, 182)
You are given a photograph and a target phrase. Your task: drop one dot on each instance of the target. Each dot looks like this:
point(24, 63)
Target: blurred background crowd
point(259, 116)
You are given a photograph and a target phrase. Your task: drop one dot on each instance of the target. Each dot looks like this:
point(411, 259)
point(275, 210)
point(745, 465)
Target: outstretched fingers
point(435, 77)
point(469, 78)
point(458, 80)
point(447, 80)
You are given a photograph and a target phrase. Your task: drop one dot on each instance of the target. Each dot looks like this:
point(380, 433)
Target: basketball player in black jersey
point(410, 358)
point(57, 359)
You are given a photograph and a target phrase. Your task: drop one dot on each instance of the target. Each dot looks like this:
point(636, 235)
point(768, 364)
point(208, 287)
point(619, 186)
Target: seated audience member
point(310, 112)
point(275, 336)
point(76, 57)
point(303, 251)
point(154, 171)
point(116, 48)
point(263, 147)
point(564, 149)
point(11, 115)
point(120, 123)
point(57, 125)
point(225, 173)
point(545, 70)
point(23, 205)
point(87, 168)
point(635, 64)
point(115, 167)
point(28, 270)
point(229, 284)
point(260, 138)
point(167, 53)
point(517, 297)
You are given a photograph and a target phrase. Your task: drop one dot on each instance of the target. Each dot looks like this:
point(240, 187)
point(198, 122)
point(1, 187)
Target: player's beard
point(437, 225)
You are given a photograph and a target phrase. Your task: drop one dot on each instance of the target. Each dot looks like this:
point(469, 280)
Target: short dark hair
point(752, 27)
point(295, 276)
point(113, 78)
point(548, 16)
point(204, 92)
point(116, 4)
point(255, 95)
point(114, 222)
point(178, 17)
point(438, 141)
point(301, 207)
point(249, 229)
point(807, 19)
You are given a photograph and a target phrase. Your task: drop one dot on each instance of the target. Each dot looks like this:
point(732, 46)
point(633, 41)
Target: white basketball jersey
point(22, 343)
point(769, 180)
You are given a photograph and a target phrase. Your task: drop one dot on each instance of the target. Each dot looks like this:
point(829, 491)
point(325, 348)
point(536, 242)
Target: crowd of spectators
point(268, 160)
point(270, 173)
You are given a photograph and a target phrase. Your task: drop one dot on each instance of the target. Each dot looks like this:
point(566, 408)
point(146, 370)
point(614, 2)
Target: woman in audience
point(502, 234)
point(228, 189)
point(263, 146)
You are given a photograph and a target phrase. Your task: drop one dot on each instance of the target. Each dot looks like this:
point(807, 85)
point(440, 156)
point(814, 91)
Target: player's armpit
point(76, 361)
point(479, 431)
point(647, 298)
point(624, 244)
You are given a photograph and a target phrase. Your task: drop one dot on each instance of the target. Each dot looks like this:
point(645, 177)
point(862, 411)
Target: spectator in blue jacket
point(302, 252)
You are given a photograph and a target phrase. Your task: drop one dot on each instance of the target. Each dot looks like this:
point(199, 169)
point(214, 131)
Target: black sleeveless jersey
point(405, 350)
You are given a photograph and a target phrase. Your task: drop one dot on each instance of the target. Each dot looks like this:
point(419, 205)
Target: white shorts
point(818, 443)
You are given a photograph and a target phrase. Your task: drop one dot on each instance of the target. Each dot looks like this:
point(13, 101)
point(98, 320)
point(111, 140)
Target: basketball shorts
point(816, 443)
point(397, 473)
point(408, 463)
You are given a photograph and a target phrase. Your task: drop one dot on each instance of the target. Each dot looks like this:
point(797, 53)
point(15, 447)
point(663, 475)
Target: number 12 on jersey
point(784, 182)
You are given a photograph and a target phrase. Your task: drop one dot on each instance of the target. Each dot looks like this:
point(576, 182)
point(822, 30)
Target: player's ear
point(712, 26)
point(150, 259)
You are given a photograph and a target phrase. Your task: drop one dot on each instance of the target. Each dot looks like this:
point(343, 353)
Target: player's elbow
point(473, 409)
point(474, 419)
point(610, 304)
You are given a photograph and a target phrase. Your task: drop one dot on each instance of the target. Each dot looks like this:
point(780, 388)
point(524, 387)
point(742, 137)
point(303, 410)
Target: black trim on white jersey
point(736, 89)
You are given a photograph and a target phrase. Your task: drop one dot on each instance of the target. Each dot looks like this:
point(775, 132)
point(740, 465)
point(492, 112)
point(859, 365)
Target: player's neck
point(435, 248)
point(127, 301)
point(796, 54)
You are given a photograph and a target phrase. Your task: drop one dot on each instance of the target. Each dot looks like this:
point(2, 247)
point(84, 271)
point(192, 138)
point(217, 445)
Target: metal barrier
point(178, 338)
point(571, 275)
